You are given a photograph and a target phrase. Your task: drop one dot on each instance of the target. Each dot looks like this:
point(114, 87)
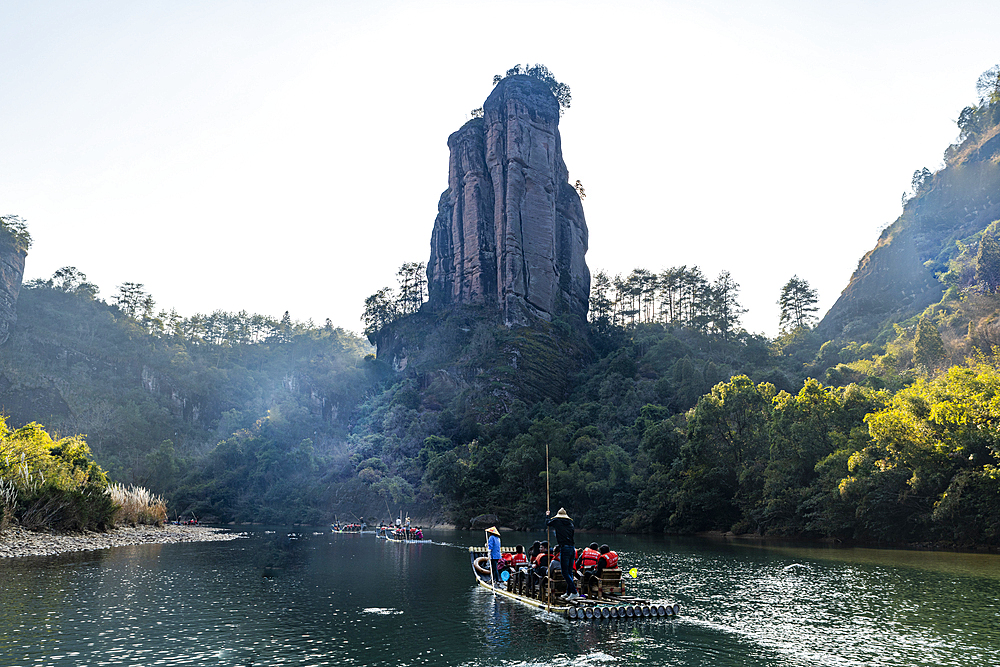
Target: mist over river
point(342, 599)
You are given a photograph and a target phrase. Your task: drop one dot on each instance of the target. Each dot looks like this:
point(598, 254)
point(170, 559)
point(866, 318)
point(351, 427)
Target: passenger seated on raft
point(518, 558)
point(540, 567)
point(607, 560)
point(519, 566)
point(586, 563)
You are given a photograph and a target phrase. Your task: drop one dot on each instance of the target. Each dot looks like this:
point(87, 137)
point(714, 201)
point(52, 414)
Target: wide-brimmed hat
point(562, 513)
point(493, 529)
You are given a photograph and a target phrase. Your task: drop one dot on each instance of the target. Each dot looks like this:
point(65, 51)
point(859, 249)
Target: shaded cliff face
point(510, 229)
point(11, 271)
point(897, 278)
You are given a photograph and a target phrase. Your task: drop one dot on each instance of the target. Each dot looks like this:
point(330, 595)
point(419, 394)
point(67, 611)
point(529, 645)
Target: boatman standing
point(563, 525)
point(493, 546)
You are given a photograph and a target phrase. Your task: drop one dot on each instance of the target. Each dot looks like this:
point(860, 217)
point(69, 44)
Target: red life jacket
point(611, 559)
point(517, 559)
point(588, 557)
point(538, 560)
point(507, 557)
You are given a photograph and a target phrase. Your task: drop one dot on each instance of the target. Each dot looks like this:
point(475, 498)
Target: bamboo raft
point(605, 598)
point(356, 530)
point(391, 536)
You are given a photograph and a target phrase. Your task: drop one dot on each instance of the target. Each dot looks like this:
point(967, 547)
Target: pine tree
point(798, 303)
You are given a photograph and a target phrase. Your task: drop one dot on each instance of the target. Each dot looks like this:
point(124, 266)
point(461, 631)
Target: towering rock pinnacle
point(510, 229)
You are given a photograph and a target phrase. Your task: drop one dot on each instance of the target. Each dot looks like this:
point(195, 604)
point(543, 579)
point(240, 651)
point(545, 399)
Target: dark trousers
point(567, 554)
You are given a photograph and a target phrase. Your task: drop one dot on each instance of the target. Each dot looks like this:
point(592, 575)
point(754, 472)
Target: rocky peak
point(510, 229)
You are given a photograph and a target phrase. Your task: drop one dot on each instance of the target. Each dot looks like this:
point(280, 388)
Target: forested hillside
point(229, 415)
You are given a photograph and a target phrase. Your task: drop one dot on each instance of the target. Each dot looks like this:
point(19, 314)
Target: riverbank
point(17, 542)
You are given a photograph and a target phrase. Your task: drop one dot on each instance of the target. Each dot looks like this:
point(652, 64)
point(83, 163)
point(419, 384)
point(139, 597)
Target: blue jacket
point(493, 544)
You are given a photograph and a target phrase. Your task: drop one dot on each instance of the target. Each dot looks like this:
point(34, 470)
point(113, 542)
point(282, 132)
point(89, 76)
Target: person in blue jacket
point(493, 546)
point(563, 526)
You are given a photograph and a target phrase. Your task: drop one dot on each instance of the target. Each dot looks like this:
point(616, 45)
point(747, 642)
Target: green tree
point(538, 71)
point(728, 444)
point(133, 301)
point(380, 309)
point(600, 301)
point(725, 306)
point(988, 263)
point(988, 86)
point(412, 279)
point(14, 227)
point(928, 348)
point(798, 304)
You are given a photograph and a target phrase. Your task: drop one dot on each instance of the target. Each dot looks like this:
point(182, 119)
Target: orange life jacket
point(538, 562)
point(611, 559)
point(517, 559)
point(588, 557)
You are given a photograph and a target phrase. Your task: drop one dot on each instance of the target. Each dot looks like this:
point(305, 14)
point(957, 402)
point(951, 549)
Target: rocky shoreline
point(16, 542)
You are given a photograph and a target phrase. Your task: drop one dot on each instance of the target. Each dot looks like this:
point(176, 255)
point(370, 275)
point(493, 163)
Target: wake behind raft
point(605, 598)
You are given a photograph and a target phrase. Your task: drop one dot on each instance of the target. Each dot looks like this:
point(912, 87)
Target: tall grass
point(136, 506)
point(8, 499)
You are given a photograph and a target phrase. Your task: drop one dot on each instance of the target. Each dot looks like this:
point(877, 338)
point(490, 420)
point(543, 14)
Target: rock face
point(897, 278)
point(11, 271)
point(510, 229)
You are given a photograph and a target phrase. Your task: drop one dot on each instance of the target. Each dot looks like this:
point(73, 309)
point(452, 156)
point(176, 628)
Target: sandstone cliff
point(510, 229)
point(12, 257)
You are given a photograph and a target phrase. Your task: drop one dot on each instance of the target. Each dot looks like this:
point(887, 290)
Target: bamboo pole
point(548, 534)
point(489, 558)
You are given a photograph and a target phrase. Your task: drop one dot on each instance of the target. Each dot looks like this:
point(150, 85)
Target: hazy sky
point(273, 156)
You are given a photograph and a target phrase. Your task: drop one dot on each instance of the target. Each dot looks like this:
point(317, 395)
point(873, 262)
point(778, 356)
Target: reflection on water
point(323, 599)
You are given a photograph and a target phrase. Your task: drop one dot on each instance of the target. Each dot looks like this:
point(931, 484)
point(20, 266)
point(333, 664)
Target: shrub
point(52, 508)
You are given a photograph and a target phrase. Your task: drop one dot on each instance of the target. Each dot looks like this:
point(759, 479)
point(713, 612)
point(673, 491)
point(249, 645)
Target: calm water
point(354, 600)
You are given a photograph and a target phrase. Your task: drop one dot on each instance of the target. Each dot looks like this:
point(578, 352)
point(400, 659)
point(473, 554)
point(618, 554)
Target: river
point(326, 599)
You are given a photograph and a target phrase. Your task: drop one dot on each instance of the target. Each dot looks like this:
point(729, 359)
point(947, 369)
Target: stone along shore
point(19, 542)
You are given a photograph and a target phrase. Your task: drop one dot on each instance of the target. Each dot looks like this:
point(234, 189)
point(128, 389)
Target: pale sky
point(273, 156)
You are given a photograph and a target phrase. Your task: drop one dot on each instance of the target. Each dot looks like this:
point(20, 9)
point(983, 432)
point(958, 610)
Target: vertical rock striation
point(11, 271)
point(510, 229)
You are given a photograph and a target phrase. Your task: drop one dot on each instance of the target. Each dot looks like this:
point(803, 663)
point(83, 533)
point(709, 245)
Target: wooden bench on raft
point(610, 583)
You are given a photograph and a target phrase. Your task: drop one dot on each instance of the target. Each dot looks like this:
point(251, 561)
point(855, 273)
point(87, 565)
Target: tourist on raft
point(608, 560)
point(539, 566)
point(493, 546)
point(586, 563)
point(563, 526)
point(518, 558)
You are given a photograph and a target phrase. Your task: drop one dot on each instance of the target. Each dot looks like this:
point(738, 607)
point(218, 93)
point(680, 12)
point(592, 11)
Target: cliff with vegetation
point(14, 244)
point(910, 267)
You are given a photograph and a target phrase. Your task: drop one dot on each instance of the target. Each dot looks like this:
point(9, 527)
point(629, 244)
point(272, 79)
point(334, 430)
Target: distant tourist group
point(400, 531)
point(350, 527)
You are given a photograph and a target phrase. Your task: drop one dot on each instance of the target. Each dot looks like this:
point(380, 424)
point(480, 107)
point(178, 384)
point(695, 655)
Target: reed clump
point(136, 506)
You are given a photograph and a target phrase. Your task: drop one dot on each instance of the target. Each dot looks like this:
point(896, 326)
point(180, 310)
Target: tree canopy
point(798, 304)
point(538, 71)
